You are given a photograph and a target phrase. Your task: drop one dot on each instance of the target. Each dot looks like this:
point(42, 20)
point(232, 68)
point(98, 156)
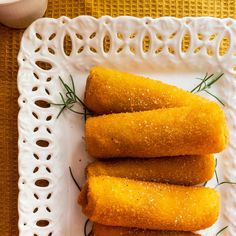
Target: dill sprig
point(85, 228)
point(69, 99)
point(206, 84)
point(72, 176)
point(221, 230)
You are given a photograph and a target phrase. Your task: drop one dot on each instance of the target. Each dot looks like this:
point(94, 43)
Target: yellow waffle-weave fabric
point(9, 46)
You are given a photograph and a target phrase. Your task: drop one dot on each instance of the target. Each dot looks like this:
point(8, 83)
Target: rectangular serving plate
point(49, 146)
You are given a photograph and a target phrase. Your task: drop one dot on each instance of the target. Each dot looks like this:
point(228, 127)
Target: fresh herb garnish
point(220, 231)
point(216, 174)
point(206, 84)
point(85, 228)
point(217, 178)
point(225, 182)
point(72, 176)
point(87, 221)
point(70, 99)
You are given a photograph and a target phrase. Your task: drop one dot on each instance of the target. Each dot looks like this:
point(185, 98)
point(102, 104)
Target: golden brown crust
point(111, 91)
point(104, 230)
point(193, 130)
point(129, 203)
point(183, 170)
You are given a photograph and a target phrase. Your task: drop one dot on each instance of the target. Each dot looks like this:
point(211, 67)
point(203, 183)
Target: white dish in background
point(21, 13)
point(56, 204)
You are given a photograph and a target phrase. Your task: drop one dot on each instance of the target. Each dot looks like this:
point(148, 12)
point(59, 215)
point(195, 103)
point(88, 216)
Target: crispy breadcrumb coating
point(110, 91)
point(130, 203)
point(193, 130)
point(183, 170)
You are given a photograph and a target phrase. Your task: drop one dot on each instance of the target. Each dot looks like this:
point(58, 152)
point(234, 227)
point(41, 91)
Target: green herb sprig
point(216, 174)
point(87, 221)
point(85, 228)
point(225, 182)
point(206, 84)
point(221, 230)
point(72, 176)
point(69, 99)
point(217, 178)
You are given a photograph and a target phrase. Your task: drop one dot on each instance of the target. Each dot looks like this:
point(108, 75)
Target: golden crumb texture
point(104, 230)
point(129, 203)
point(192, 130)
point(182, 170)
point(111, 91)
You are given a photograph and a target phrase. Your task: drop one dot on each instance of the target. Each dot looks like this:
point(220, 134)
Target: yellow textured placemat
point(9, 46)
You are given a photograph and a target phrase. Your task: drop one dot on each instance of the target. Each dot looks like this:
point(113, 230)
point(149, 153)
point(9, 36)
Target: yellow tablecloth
point(9, 46)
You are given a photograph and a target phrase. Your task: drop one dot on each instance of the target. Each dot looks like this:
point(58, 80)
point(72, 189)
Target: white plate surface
point(57, 202)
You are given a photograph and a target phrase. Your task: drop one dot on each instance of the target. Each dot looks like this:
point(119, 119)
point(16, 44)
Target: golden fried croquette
point(130, 203)
point(193, 130)
point(110, 91)
point(183, 170)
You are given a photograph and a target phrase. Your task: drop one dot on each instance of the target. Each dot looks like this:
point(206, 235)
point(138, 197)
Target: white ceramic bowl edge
point(21, 13)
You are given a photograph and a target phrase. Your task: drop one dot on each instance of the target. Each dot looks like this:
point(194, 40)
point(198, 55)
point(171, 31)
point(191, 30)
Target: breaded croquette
point(183, 170)
point(131, 203)
point(110, 91)
point(193, 130)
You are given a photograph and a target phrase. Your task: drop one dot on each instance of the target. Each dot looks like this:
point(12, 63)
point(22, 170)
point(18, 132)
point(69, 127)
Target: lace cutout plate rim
point(63, 46)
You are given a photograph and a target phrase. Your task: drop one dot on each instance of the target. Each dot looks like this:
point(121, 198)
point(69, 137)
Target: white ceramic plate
point(55, 204)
